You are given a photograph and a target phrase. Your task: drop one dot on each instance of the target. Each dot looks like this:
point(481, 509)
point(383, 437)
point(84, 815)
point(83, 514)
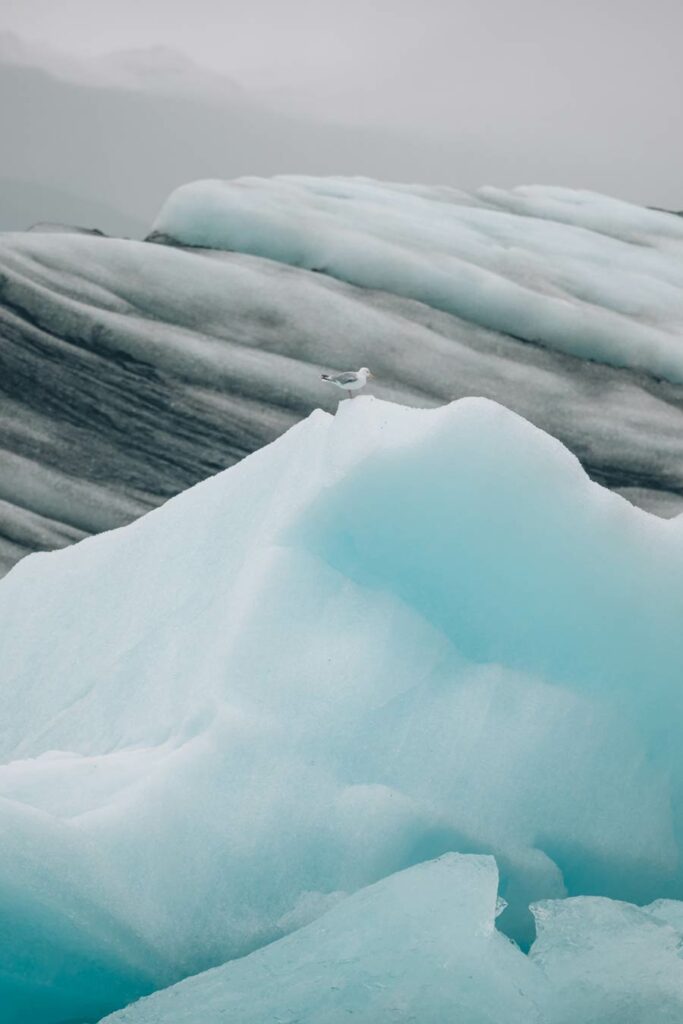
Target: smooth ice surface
point(575, 271)
point(390, 634)
point(418, 946)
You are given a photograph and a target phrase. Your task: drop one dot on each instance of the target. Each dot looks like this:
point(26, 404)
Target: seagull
point(352, 380)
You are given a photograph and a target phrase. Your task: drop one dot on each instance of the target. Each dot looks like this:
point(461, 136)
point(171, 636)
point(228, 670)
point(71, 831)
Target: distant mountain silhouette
point(127, 148)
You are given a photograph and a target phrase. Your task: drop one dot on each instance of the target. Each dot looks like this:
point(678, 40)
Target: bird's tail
point(324, 376)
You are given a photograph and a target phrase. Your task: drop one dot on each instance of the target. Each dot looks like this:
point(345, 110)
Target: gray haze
point(584, 94)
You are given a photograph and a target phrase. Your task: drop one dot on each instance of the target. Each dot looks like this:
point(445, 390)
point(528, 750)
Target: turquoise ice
point(417, 946)
point(391, 635)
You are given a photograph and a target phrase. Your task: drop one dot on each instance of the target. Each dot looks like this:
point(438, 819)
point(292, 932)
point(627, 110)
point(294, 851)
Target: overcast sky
point(582, 88)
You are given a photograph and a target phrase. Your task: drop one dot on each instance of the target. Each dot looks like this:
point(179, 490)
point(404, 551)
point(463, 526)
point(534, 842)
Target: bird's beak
point(371, 376)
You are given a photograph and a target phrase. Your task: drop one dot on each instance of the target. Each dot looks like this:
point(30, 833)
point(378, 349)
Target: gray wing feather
point(345, 378)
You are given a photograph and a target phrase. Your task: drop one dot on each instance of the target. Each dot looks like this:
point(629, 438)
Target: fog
point(582, 94)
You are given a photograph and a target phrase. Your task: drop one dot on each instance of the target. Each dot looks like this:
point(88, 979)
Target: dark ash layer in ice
point(128, 371)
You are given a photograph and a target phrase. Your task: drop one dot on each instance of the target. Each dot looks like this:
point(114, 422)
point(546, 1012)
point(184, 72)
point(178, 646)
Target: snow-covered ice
point(575, 271)
point(391, 634)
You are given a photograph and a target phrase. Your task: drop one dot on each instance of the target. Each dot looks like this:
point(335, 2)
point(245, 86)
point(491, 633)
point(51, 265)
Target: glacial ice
point(417, 946)
point(153, 366)
point(576, 271)
point(422, 946)
point(391, 634)
point(608, 962)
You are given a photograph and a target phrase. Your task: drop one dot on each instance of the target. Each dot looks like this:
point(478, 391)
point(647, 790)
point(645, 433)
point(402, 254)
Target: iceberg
point(422, 946)
point(392, 634)
point(417, 946)
point(575, 271)
point(608, 962)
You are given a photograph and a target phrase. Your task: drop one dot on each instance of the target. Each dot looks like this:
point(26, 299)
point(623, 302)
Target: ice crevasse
point(347, 673)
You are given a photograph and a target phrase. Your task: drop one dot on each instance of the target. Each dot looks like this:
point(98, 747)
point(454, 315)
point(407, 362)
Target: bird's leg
point(351, 394)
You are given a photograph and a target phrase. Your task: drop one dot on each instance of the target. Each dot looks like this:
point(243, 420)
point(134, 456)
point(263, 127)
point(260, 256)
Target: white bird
point(352, 380)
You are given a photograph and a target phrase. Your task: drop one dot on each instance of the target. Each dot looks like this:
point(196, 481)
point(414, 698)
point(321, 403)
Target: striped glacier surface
point(130, 370)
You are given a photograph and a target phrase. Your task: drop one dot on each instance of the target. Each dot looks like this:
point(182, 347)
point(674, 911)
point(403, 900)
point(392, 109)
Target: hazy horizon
point(585, 96)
